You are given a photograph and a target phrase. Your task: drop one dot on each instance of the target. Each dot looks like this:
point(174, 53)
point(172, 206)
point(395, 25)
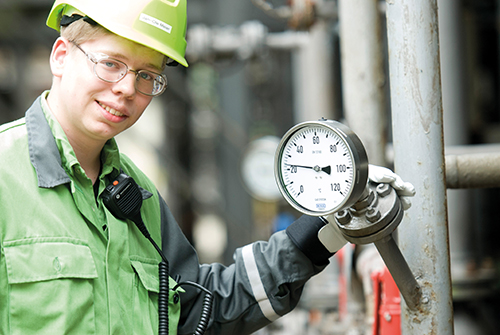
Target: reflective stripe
point(256, 284)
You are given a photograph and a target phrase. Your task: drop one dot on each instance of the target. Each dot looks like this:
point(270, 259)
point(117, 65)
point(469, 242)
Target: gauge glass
point(316, 169)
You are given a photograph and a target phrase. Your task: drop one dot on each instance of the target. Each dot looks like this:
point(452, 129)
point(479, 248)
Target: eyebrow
point(113, 54)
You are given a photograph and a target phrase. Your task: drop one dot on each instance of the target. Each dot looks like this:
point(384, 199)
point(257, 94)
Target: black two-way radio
point(123, 199)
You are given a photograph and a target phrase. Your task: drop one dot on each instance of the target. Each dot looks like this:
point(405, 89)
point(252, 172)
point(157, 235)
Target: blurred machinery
point(428, 68)
point(339, 52)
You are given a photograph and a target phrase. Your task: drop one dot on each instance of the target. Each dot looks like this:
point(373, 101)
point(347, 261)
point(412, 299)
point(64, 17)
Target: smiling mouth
point(111, 110)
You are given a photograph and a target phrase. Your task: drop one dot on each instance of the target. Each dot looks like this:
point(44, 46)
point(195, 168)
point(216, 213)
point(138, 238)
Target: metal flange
point(373, 217)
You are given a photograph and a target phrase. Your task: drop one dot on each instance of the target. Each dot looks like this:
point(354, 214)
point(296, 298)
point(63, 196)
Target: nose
point(126, 85)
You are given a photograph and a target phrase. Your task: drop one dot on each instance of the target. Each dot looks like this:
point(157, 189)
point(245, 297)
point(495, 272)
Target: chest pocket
point(51, 286)
point(146, 289)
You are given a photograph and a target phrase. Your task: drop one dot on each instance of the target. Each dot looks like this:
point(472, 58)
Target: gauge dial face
point(316, 169)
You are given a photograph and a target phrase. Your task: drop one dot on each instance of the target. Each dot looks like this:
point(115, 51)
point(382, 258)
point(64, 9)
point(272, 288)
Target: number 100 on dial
point(321, 167)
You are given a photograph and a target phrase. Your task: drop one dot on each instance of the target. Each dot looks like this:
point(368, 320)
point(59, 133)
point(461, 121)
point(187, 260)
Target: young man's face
point(88, 108)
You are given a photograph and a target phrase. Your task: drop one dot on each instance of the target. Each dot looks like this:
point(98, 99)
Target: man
point(67, 265)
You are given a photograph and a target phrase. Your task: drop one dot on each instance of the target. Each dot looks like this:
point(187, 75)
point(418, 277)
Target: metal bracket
point(373, 219)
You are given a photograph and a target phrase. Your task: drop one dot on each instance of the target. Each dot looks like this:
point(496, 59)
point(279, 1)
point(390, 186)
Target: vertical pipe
point(455, 102)
point(364, 105)
point(412, 28)
point(453, 72)
point(363, 74)
point(313, 78)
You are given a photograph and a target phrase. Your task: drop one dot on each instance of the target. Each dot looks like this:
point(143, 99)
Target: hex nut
point(373, 214)
point(383, 189)
point(343, 216)
point(364, 203)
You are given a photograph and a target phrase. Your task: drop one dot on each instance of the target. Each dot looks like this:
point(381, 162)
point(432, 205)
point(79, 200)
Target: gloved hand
point(405, 190)
point(330, 235)
point(307, 231)
point(304, 233)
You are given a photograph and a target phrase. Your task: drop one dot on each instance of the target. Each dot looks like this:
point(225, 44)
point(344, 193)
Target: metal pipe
point(363, 75)
point(478, 170)
point(414, 68)
point(364, 103)
point(400, 271)
point(455, 105)
point(313, 75)
point(243, 41)
point(312, 54)
point(472, 166)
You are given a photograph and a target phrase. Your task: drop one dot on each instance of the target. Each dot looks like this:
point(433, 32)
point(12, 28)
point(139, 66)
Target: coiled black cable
point(123, 199)
point(206, 312)
point(163, 299)
point(206, 309)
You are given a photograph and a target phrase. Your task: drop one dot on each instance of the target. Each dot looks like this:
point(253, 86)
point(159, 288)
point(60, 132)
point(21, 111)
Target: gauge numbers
point(316, 168)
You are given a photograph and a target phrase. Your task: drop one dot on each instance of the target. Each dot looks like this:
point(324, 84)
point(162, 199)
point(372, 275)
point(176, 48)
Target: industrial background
point(417, 80)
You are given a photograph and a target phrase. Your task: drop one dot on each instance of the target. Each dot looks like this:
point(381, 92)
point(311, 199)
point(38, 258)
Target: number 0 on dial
point(321, 167)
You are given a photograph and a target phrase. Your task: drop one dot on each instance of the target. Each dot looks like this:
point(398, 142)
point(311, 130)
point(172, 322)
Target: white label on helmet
point(155, 22)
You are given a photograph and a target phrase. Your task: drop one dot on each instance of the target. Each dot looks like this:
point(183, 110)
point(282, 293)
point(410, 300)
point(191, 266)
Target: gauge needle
point(326, 169)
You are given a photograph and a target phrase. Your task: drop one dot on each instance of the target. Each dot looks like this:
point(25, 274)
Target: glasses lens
point(151, 83)
point(110, 70)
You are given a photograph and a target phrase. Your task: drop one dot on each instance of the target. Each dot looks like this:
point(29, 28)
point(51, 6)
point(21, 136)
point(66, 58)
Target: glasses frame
point(96, 57)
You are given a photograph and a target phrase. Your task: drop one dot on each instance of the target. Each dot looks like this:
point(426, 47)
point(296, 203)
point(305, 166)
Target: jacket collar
point(44, 154)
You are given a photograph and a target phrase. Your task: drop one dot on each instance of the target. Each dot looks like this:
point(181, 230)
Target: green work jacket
point(67, 266)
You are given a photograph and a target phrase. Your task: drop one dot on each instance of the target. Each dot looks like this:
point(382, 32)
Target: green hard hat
point(157, 24)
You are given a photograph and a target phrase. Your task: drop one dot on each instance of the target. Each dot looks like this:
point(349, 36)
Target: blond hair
point(81, 32)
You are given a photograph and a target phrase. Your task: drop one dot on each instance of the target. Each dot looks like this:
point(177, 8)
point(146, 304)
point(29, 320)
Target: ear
point(60, 51)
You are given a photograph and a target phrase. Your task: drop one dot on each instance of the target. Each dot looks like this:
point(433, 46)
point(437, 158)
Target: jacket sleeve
point(264, 282)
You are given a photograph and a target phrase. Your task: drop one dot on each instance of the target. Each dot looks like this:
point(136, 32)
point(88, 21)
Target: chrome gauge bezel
point(355, 149)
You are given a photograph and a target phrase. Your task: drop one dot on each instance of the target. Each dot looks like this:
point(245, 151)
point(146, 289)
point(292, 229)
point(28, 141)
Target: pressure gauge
point(321, 167)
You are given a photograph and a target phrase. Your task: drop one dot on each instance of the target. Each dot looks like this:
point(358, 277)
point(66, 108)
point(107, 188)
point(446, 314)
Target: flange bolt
point(383, 189)
point(373, 214)
point(343, 216)
point(363, 203)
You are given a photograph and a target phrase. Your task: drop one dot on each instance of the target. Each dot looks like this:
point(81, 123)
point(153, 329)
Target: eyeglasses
point(112, 71)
